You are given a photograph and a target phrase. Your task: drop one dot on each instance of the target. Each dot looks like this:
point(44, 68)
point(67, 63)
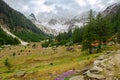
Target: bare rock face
point(20, 74)
point(32, 17)
point(111, 9)
point(96, 69)
point(77, 78)
point(95, 76)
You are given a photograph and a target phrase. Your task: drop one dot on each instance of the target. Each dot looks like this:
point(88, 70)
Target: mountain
point(42, 27)
point(53, 22)
point(32, 17)
point(65, 25)
point(111, 9)
point(6, 39)
point(18, 24)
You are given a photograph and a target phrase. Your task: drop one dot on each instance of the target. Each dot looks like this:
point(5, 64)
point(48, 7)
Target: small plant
point(51, 64)
point(34, 46)
point(21, 50)
point(7, 64)
point(14, 54)
point(29, 51)
point(45, 44)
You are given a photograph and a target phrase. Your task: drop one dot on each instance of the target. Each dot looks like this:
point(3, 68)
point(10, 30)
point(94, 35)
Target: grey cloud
point(63, 8)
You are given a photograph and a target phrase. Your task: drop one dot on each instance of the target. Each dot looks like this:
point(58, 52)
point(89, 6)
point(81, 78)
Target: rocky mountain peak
point(111, 9)
point(32, 17)
point(53, 22)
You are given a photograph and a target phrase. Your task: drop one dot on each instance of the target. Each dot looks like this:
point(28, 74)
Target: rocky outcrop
point(111, 9)
point(77, 78)
point(39, 25)
point(104, 68)
point(20, 74)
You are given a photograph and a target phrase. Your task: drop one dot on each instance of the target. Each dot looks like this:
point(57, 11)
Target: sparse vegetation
point(7, 64)
point(55, 63)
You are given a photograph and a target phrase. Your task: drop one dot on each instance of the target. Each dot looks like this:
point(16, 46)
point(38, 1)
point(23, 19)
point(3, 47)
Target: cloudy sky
point(45, 9)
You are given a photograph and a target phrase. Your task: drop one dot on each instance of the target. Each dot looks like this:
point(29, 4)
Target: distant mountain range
point(32, 29)
point(56, 26)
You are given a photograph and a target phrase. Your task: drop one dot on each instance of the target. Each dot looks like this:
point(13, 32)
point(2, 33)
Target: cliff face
point(111, 9)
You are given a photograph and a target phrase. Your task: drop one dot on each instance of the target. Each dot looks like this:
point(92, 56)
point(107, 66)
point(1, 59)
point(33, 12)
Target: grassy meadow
point(42, 63)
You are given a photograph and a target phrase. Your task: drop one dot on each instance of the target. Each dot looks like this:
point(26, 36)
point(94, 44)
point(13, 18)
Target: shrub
point(45, 44)
point(7, 64)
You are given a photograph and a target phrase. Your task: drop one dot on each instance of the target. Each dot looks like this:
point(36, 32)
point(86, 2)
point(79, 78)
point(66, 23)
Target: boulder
point(97, 63)
point(83, 70)
point(20, 74)
point(95, 76)
point(96, 69)
point(101, 58)
point(77, 78)
point(109, 52)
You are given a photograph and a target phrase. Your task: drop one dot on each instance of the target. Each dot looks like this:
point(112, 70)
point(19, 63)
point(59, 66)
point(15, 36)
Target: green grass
point(39, 63)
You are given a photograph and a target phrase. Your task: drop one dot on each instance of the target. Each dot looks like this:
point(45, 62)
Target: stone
point(20, 74)
point(96, 62)
point(109, 52)
point(99, 62)
point(77, 78)
point(118, 52)
point(95, 76)
point(83, 70)
point(101, 58)
point(96, 69)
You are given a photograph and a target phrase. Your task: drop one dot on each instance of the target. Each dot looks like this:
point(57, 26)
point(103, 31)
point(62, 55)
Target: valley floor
point(32, 62)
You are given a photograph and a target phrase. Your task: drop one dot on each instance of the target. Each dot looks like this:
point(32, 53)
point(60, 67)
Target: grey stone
point(95, 76)
point(77, 78)
point(83, 70)
point(96, 69)
point(20, 74)
point(101, 58)
point(97, 62)
point(109, 52)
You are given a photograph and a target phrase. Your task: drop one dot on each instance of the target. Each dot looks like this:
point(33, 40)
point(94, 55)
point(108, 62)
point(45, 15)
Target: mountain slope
point(113, 9)
point(39, 25)
point(19, 24)
point(6, 39)
point(13, 36)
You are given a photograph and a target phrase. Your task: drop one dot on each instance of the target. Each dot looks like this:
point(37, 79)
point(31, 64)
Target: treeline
point(6, 39)
point(98, 29)
point(19, 24)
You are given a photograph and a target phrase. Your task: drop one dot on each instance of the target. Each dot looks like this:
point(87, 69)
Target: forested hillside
point(98, 31)
point(5, 39)
point(19, 24)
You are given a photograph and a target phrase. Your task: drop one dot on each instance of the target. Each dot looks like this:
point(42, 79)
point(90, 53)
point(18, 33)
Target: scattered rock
point(101, 58)
point(77, 78)
point(20, 74)
point(112, 78)
point(70, 49)
point(95, 76)
point(118, 52)
point(96, 69)
point(96, 62)
point(108, 52)
point(99, 62)
point(83, 70)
